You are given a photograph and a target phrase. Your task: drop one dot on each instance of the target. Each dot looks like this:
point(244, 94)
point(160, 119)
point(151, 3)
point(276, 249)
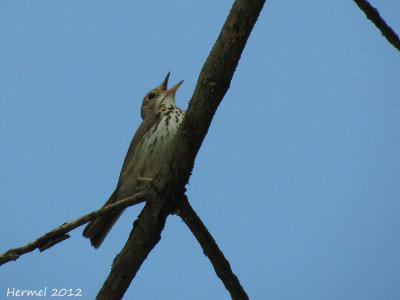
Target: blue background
point(298, 178)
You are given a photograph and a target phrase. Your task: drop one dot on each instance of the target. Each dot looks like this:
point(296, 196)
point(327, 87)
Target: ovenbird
point(146, 154)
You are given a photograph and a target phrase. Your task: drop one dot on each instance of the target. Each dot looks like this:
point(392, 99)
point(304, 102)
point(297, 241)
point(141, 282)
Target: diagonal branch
point(211, 250)
point(213, 82)
point(373, 14)
point(146, 233)
point(59, 234)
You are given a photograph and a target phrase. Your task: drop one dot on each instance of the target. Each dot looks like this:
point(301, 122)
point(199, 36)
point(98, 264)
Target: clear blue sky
point(297, 179)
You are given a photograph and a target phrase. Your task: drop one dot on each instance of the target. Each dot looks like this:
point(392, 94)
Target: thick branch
point(211, 87)
point(211, 249)
point(145, 234)
point(58, 234)
point(373, 14)
point(213, 83)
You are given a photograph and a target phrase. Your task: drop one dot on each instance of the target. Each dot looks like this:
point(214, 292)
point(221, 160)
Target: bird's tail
point(98, 229)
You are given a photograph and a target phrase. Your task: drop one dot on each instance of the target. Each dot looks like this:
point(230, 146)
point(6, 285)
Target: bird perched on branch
point(146, 154)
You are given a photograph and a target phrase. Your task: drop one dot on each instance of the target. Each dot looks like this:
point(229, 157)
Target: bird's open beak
point(174, 88)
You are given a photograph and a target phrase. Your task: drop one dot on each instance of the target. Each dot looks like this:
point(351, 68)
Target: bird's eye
point(151, 95)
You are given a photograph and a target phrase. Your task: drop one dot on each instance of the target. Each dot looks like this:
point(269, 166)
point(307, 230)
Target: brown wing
point(137, 138)
point(97, 229)
point(140, 132)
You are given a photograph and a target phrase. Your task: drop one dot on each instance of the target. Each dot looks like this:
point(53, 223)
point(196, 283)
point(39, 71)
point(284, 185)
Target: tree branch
point(145, 234)
point(213, 82)
point(59, 234)
point(211, 250)
point(373, 14)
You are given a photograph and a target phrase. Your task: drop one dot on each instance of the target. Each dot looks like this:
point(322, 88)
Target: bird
point(146, 155)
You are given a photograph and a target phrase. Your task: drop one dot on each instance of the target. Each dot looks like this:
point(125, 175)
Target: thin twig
point(59, 234)
point(211, 250)
point(373, 14)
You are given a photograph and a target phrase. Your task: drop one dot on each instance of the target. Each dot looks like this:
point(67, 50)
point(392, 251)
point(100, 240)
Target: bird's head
point(156, 97)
